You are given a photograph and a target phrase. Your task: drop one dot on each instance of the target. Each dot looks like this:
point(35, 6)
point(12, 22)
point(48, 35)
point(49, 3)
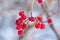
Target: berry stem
point(32, 7)
point(58, 3)
point(58, 6)
point(51, 25)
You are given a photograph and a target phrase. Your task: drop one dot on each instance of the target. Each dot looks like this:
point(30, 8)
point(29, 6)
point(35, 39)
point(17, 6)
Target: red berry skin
point(40, 18)
point(43, 26)
point(37, 25)
point(17, 22)
point(40, 1)
point(20, 20)
point(50, 20)
point(31, 19)
point(24, 26)
point(20, 32)
point(21, 13)
point(23, 17)
point(18, 27)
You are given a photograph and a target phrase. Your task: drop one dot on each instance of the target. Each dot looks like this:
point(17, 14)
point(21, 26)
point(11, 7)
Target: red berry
point(18, 27)
point(37, 25)
point(40, 1)
point(23, 17)
point(40, 18)
point(31, 19)
point(20, 32)
point(50, 20)
point(17, 22)
point(21, 13)
point(24, 26)
point(20, 20)
point(43, 26)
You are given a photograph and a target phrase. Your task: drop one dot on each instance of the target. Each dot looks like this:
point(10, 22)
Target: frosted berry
point(31, 19)
point(37, 25)
point(20, 32)
point(50, 20)
point(40, 1)
point(40, 18)
point(24, 26)
point(43, 26)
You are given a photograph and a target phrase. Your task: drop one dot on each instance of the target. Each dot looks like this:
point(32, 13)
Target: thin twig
point(51, 25)
point(32, 7)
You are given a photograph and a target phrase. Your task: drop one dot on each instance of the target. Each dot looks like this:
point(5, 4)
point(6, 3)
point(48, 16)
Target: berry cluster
point(40, 24)
point(21, 25)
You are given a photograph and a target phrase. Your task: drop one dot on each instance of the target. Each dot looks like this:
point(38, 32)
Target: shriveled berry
point(20, 32)
point(37, 25)
point(21, 13)
point(24, 26)
point(31, 19)
point(40, 18)
point(40, 1)
point(50, 20)
point(43, 26)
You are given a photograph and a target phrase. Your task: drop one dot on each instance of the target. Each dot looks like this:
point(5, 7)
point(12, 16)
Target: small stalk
point(51, 25)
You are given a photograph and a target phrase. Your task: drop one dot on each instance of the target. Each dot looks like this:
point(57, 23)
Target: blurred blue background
point(9, 13)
